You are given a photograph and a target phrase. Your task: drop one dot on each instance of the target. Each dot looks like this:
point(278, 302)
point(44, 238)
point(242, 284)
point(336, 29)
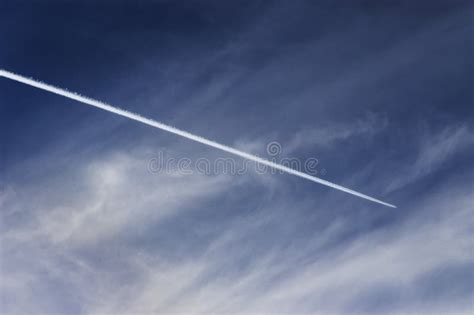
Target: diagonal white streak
point(182, 133)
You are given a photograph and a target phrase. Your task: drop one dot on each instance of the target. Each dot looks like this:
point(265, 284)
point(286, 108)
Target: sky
point(378, 94)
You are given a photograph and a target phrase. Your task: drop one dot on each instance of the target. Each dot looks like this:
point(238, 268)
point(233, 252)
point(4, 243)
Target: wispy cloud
point(335, 133)
point(379, 272)
point(433, 151)
point(116, 192)
point(86, 246)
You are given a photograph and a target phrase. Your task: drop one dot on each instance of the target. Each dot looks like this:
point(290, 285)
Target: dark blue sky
point(380, 93)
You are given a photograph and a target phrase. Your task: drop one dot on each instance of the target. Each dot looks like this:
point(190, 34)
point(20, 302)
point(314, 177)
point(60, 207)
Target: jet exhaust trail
point(182, 133)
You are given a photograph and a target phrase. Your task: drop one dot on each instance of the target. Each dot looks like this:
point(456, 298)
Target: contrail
point(182, 133)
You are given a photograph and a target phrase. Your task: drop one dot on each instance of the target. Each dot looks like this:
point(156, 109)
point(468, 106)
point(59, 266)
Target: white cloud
point(433, 151)
point(328, 135)
point(332, 284)
point(118, 191)
point(278, 280)
point(44, 262)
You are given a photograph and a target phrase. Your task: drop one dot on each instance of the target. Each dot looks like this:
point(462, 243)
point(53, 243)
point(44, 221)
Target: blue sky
point(380, 94)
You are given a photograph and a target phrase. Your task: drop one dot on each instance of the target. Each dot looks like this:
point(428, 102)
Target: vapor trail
point(182, 133)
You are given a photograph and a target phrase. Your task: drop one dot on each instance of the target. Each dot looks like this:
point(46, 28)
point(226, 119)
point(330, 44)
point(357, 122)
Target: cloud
point(383, 271)
point(338, 283)
point(89, 257)
point(434, 150)
point(117, 191)
point(336, 133)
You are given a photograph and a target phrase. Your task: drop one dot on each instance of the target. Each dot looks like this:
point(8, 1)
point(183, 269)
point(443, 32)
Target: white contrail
point(156, 124)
